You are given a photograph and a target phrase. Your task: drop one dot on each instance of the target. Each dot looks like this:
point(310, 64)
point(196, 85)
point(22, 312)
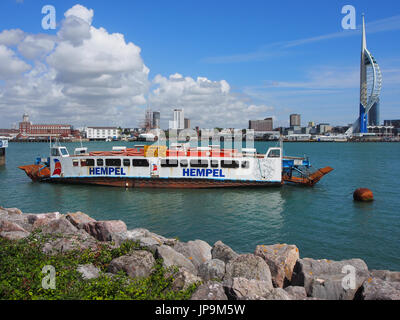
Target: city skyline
point(220, 82)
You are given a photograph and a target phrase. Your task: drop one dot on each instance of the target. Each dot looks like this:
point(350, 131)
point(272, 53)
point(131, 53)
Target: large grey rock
point(103, 230)
point(173, 258)
point(223, 252)
point(385, 275)
point(296, 293)
point(326, 279)
point(210, 290)
point(197, 251)
point(14, 235)
point(248, 266)
point(69, 242)
point(79, 219)
point(146, 238)
point(183, 279)
point(281, 259)
point(213, 269)
point(88, 271)
point(136, 264)
point(245, 289)
point(378, 289)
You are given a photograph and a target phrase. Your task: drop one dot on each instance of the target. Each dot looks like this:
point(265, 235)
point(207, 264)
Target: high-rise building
point(179, 121)
point(295, 120)
point(261, 125)
point(187, 123)
point(156, 120)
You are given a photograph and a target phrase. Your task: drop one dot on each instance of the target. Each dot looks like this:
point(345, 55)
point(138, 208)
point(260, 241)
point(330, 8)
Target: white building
point(102, 133)
point(179, 120)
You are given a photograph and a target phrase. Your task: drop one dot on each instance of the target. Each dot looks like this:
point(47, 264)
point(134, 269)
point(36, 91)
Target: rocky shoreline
point(271, 272)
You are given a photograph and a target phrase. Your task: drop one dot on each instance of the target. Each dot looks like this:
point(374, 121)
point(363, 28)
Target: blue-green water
point(323, 221)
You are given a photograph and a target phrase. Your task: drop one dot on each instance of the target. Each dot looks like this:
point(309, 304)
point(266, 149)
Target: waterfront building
point(295, 120)
point(261, 125)
point(323, 128)
point(394, 123)
point(26, 128)
point(102, 133)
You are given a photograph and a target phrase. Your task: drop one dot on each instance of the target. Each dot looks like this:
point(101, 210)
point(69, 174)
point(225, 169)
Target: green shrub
point(21, 264)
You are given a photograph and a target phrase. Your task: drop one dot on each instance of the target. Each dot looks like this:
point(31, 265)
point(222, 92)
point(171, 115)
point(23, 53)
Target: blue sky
point(252, 45)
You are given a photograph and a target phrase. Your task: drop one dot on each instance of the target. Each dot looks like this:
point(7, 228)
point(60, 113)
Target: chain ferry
point(179, 166)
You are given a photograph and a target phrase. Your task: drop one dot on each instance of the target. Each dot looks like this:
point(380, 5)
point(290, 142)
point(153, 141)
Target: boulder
point(196, 251)
point(88, 271)
point(13, 211)
point(385, 275)
point(183, 279)
point(281, 259)
point(222, 252)
point(139, 263)
point(79, 219)
point(245, 289)
point(79, 241)
point(296, 293)
point(9, 226)
point(210, 290)
point(149, 239)
point(14, 235)
point(59, 226)
point(248, 266)
point(103, 230)
point(378, 289)
point(173, 258)
point(213, 269)
point(331, 280)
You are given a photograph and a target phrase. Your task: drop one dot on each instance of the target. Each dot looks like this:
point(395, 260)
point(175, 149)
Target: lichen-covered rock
point(213, 269)
point(378, 289)
point(281, 259)
point(79, 219)
point(145, 237)
point(173, 258)
point(385, 275)
point(69, 242)
point(13, 211)
point(183, 279)
point(88, 271)
point(197, 251)
point(136, 264)
point(103, 230)
point(331, 280)
point(223, 252)
point(296, 293)
point(248, 266)
point(210, 290)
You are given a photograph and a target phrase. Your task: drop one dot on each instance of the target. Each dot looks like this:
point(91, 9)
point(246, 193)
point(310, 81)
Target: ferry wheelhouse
point(179, 166)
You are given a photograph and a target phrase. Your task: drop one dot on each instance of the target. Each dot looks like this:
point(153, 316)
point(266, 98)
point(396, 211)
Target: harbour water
point(322, 221)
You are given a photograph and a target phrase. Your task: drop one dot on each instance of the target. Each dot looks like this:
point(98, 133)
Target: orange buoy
point(363, 194)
